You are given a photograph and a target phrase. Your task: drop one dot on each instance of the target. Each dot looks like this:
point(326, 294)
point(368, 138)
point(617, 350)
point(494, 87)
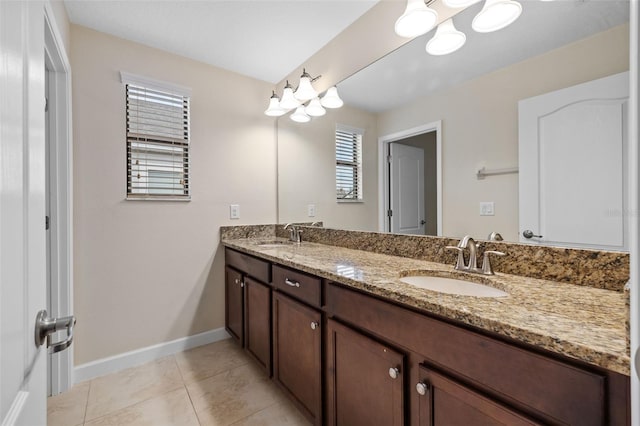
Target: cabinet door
point(297, 358)
point(364, 380)
point(257, 320)
point(445, 402)
point(234, 302)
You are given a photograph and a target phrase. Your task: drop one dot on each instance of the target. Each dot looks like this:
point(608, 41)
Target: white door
point(22, 234)
point(573, 167)
point(407, 189)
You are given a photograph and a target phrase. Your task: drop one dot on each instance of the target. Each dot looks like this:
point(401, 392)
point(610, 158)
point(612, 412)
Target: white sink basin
point(453, 286)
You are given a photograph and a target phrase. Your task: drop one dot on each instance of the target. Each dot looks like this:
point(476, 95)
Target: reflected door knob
point(314, 325)
point(528, 233)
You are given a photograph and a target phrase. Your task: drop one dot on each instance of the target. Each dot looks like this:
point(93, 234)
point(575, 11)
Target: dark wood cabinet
point(248, 305)
point(445, 402)
point(234, 300)
point(297, 357)
point(365, 380)
point(257, 321)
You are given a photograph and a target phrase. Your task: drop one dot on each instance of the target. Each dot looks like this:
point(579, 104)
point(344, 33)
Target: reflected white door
point(22, 208)
point(407, 189)
point(573, 167)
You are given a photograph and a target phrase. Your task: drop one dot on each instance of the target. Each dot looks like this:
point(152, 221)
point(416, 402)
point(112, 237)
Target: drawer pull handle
point(290, 283)
point(314, 325)
point(394, 373)
point(422, 388)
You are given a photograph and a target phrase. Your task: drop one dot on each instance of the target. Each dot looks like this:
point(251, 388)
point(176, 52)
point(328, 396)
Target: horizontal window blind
point(348, 165)
point(157, 143)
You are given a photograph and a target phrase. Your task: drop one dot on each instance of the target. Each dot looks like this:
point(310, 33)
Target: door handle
point(529, 234)
point(422, 222)
point(46, 326)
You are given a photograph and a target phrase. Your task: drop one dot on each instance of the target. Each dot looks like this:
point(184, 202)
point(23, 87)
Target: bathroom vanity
point(351, 344)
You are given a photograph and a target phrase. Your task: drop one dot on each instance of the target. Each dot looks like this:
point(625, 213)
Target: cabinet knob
point(237, 281)
point(394, 373)
point(422, 388)
point(314, 325)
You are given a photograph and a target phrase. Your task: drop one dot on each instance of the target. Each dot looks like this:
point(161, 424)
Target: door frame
point(61, 183)
point(383, 170)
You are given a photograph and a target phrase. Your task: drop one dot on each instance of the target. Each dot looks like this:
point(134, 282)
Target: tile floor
point(212, 385)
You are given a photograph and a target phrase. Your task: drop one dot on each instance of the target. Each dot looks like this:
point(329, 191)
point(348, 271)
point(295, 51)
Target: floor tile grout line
point(254, 413)
point(192, 404)
point(86, 405)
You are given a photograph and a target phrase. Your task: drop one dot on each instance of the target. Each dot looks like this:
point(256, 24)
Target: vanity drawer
point(306, 288)
point(254, 267)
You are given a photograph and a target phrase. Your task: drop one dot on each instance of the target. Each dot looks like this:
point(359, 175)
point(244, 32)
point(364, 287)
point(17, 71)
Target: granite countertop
point(580, 322)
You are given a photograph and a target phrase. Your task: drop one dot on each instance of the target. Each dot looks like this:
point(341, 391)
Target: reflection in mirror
point(474, 93)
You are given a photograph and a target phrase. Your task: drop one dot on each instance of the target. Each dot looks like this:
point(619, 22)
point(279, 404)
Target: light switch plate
point(486, 208)
point(311, 210)
point(234, 211)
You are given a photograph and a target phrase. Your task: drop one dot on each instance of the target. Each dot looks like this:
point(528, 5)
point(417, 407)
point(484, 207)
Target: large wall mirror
point(458, 114)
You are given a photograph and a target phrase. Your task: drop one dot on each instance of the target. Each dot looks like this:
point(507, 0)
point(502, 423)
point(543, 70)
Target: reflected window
point(348, 163)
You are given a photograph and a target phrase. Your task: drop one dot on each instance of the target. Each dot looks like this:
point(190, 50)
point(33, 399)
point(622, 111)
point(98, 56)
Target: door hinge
point(47, 222)
point(389, 158)
point(389, 212)
point(46, 104)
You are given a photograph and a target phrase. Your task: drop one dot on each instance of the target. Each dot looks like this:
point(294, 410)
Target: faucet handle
point(460, 263)
point(486, 263)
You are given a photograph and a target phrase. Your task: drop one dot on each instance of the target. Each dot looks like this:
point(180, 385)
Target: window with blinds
point(348, 164)
point(157, 144)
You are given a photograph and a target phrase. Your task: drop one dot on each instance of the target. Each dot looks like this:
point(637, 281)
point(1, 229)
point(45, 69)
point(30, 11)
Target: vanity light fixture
point(495, 15)
point(274, 109)
point(315, 109)
point(331, 99)
point(416, 20)
point(288, 100)
point(303, 100)
point(299, 116)
point(446, 40)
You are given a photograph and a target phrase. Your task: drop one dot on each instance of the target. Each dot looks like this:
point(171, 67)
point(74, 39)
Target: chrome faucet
point(472, 265)
point(294, 232)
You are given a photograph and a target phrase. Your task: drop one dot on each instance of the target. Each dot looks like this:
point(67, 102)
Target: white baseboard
point(116, 363)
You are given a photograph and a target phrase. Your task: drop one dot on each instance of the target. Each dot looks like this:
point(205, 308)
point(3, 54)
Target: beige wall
point(149, 272)
point(480, 127)
point(307, 167)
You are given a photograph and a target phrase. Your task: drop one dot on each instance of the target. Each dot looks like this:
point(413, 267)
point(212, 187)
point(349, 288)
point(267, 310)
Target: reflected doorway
point(411, 181)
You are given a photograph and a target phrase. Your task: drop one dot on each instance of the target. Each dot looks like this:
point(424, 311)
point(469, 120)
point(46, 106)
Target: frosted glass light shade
point(331, 99)
point(416, 20)
point(315, 109)
point(459, 3)
point(299, 116)
point(446, 40)
point(274, 109)
point(288, 101)
point(305, 90)
point(495, 15)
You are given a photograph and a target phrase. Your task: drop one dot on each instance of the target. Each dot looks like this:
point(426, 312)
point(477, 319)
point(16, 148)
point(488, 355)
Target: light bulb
point(288, 101)
point(495, 15)
point(305, 90)
point(299, 116)
point(274, 109)
point(315, 109)
point(331, 99)
point(446, 40)
point(416, 20)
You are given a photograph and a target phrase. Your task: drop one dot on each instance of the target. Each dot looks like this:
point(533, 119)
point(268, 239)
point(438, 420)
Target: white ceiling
point(410, 73)
point(262, 39)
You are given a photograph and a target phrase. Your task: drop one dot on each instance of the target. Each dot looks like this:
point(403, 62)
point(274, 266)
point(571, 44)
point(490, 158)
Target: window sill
point(143, 198)
point(347, 201)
